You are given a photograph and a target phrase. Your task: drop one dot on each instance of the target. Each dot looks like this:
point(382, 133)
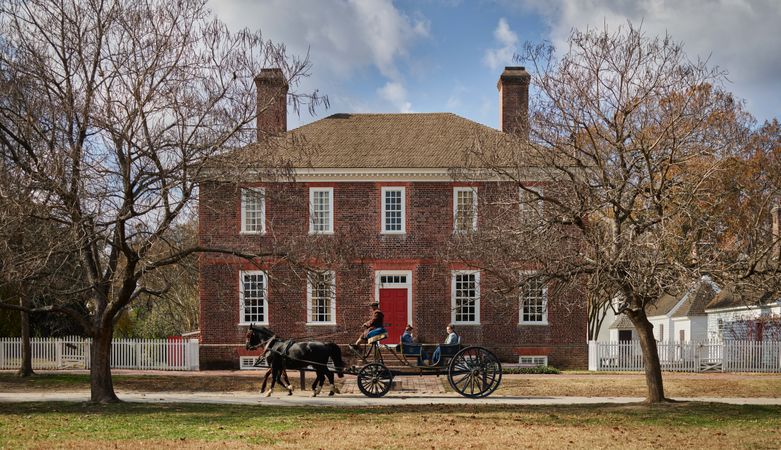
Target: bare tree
point(624, 132)
point(741, 244)
point(174, 309)
point(111, 110)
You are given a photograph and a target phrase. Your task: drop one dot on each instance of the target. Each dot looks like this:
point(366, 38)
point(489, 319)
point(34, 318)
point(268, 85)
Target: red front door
point(393, 303)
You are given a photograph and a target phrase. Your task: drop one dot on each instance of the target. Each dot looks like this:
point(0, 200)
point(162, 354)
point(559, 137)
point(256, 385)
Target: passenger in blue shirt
point(452, 338)
point(407, 338)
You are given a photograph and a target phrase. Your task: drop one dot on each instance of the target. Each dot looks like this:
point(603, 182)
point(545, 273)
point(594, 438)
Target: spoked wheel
point(474, 372)
point(374, 380)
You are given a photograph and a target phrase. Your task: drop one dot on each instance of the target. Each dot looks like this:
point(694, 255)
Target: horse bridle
point(266, 342)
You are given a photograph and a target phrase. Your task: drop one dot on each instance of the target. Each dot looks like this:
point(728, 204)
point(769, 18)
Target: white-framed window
point(321, 210)
point(532, 207)
point(321, 298)
point(253, 297)
point(534, 302)
point(464, 209)
point(393, 210)
point(253, 211)
point(532, 361)
point(465, 297)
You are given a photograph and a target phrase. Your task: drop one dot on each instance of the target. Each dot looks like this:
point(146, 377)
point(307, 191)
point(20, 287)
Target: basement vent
point(248, 363)
point(532, 361)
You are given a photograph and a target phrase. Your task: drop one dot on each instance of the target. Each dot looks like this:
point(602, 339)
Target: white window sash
point(522, 302)
point(241, 297)
point(454, 305)
point(403, 200)
point(456, 190)
point(244, 198)
point(525, 200)
point(330, 224)
point(310, 299)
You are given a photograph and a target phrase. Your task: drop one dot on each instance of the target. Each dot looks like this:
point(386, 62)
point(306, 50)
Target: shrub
point(531, 370)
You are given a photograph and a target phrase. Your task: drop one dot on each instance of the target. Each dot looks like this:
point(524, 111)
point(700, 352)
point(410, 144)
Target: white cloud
point(395, 93)
point(344, 37)
point(498, 57)
point(739, 36)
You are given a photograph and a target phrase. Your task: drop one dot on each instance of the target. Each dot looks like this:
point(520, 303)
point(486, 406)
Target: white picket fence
point(74, 353)
point(706, 356)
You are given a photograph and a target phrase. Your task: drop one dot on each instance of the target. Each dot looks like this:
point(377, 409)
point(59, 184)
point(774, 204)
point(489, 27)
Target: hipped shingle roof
point(419, 140)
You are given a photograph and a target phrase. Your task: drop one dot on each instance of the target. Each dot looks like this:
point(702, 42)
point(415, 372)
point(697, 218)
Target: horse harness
point(284, 353)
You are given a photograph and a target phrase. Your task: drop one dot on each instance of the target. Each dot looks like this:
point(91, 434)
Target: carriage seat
point(376, 335)
point(410, 349)
point(449, 350)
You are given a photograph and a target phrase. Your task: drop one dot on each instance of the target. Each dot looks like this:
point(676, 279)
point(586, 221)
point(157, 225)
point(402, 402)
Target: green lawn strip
point(143, 383)
point(45, 380)
point(27, 423)
point(58, 421)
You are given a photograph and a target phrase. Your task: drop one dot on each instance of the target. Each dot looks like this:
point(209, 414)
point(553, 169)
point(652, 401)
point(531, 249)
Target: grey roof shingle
point(622, 322)
point(662, 306)
point(697, 299)
point(727, 298)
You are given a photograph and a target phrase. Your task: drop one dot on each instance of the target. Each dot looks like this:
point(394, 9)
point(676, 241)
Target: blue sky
point(446, 55)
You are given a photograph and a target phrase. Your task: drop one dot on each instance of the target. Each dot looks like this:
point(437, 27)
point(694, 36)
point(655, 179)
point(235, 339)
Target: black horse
point(286, 354)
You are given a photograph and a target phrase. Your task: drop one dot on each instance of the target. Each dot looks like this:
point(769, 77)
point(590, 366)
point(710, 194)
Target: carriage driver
point(374, 323)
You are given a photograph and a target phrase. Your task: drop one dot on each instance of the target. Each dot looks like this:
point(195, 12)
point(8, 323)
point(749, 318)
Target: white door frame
point(407, 285)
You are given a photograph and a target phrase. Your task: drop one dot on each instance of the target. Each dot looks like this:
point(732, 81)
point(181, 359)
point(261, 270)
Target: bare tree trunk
point(596, 316)
point(26, 369)
point(653, 367)
point(101, 384)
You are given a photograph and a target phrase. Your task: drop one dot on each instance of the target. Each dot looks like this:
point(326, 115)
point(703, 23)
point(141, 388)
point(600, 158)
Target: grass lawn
point(585, 385)
point(693, 425)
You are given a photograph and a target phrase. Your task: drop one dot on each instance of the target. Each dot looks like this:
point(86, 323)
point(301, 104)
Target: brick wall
point(357, 221)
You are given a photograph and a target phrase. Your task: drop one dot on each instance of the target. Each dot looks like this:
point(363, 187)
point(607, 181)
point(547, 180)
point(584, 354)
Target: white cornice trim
point(393, 174)
point(399, 174)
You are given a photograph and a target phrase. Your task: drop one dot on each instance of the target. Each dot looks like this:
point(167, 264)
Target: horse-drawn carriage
point(472, 371)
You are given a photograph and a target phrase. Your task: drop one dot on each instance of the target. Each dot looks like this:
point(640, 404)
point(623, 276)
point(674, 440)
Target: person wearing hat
point(374, 323)
point(407, 338)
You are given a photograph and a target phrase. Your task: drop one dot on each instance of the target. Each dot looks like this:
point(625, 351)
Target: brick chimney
point(272, 102)
point(513, 88)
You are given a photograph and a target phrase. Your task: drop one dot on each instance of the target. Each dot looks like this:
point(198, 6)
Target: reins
point(267, 342)
point(285, 355)
point(313, 363)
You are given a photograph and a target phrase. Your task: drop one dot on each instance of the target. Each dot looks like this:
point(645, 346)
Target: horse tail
point(336, 356)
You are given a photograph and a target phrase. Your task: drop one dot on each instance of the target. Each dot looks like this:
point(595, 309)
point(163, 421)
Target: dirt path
point(562, 385)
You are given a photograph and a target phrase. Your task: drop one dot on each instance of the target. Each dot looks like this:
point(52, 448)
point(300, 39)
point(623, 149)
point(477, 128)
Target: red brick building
point(382, 185)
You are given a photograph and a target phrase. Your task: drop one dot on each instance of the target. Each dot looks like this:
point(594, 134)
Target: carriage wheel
point(474, 372)
point(374, 380)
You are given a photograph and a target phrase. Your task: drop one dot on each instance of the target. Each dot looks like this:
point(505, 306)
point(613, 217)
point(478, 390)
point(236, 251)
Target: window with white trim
point(393, 210)
point(532, 207)
point(321, 210)
point(465, 293)
point(321, 298)
point(253, 293)
point(393, 279)
point(464, 209)
point(534, 302)
point(253, 211)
